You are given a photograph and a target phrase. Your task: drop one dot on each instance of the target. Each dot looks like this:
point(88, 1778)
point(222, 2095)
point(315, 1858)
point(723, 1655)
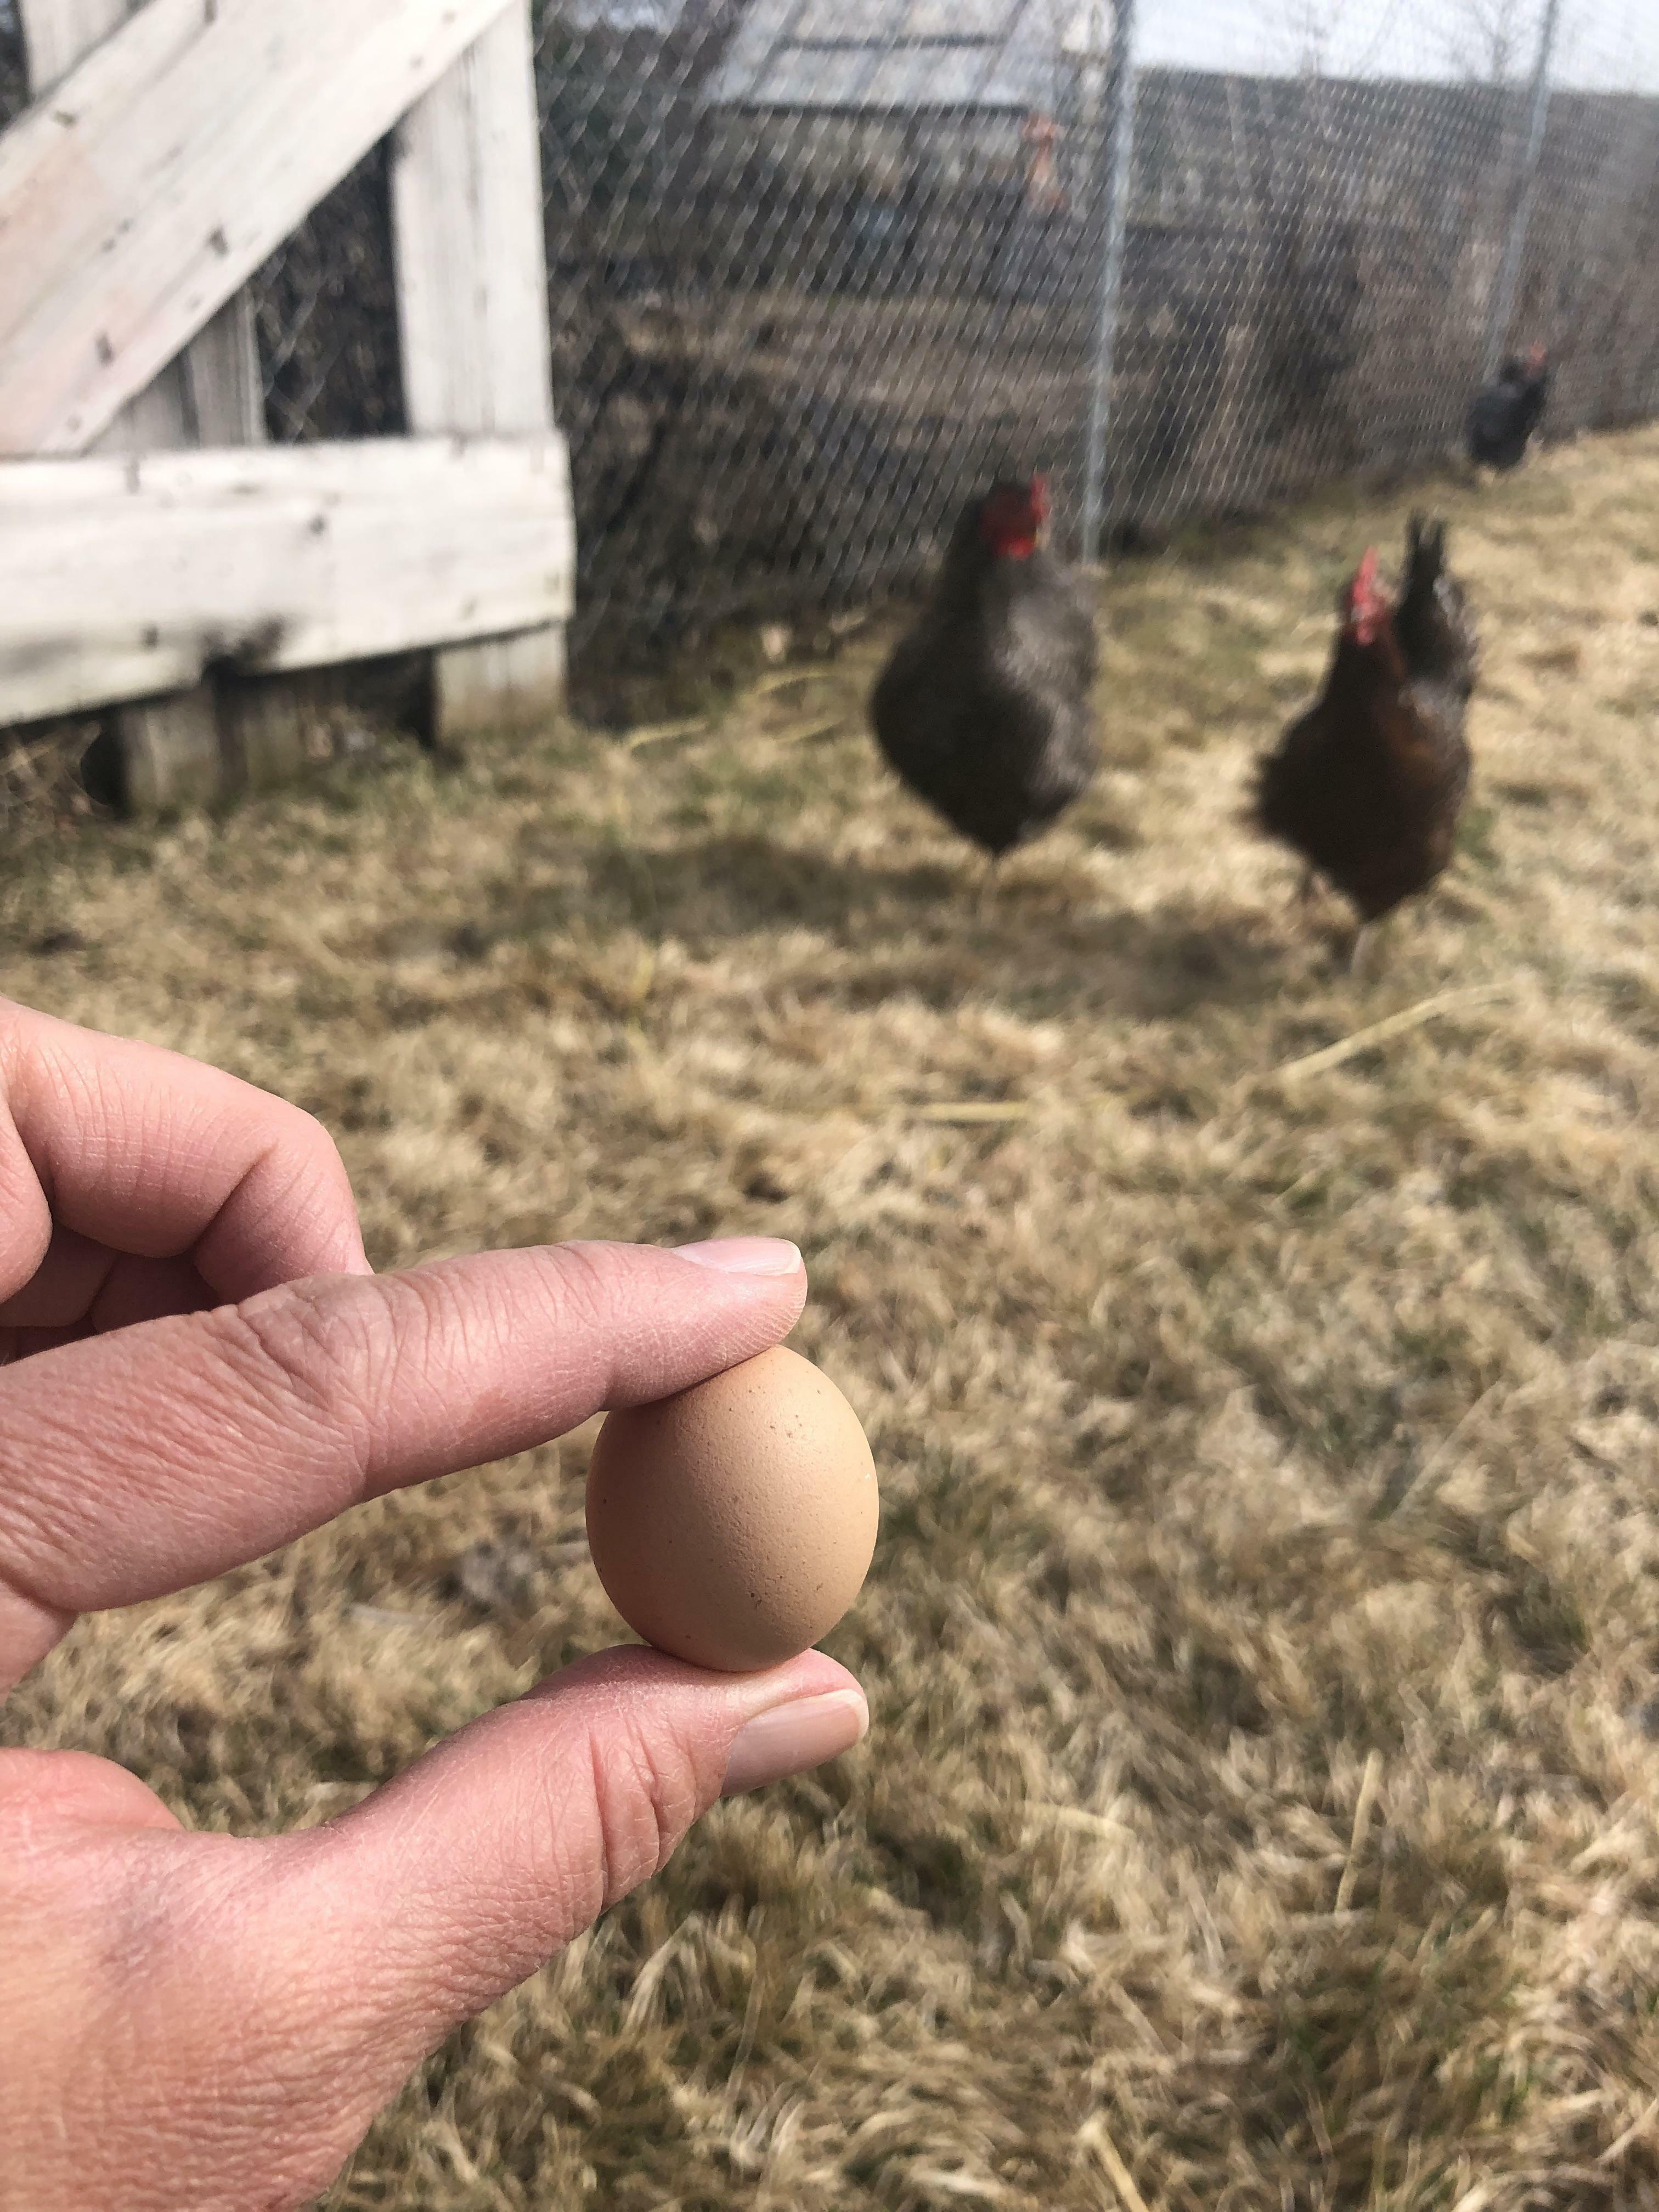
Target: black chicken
point(1505, 415)
point(984, 707)
point(1368, 785)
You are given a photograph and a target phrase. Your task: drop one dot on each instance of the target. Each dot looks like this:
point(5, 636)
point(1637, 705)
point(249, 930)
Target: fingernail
point(791, 1738)
point(742, 1255)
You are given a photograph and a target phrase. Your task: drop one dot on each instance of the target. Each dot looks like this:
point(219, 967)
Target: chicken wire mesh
point(13, 77)
point(819, 267)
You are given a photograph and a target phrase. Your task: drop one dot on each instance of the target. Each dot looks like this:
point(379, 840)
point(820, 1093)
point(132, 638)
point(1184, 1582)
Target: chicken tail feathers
point(1425, 554)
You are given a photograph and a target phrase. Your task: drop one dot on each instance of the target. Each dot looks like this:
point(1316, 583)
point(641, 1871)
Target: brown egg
point(734, 1523)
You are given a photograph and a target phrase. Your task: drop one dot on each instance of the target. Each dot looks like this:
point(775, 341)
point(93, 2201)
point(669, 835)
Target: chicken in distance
point(1505, 415)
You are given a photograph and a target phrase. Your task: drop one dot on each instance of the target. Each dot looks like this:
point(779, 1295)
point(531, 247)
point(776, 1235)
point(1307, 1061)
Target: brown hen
point(1367, 786)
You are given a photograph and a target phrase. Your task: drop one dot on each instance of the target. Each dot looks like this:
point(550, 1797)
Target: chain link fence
point(818, 268)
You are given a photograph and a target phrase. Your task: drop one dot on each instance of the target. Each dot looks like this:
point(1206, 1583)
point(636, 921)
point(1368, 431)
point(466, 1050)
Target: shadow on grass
point(1040, 941)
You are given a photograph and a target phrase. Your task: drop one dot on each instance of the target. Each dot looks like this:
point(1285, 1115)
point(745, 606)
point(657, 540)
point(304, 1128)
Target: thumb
point(412, 1912)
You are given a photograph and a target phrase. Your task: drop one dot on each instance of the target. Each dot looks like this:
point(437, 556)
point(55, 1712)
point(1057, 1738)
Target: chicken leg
point(1362, 961)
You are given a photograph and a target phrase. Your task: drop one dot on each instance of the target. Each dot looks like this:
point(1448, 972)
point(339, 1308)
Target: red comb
point(1012, 516)
point(1367, 602)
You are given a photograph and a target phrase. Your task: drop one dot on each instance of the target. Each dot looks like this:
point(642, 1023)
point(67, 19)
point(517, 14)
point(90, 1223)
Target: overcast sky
point(1611, 45)
point(1606, 45)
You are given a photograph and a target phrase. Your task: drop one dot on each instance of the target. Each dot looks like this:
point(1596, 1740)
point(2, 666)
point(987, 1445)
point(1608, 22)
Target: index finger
point(146, 1461)
point(141, 1151)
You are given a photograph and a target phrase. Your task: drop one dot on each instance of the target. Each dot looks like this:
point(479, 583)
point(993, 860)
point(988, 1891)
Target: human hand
point(197, 1366)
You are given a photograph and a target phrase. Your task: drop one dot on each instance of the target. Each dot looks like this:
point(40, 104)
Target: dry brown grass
point(1263, 1636)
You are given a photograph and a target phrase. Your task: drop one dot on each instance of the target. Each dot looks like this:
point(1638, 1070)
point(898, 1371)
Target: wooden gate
point(156, 553)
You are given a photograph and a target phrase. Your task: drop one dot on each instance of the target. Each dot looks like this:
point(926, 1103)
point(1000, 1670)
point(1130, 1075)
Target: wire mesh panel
point(815, 269)
point(13, 75)
point(818, 268)
point(326, 310)
point(1590, 273)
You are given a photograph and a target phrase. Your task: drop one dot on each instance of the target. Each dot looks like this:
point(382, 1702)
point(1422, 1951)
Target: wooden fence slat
point(212, 394)
point(57, 32)
point(167, 165)
point(224, 390)
point(59, 35)
point(124, 578)
point(466, 210)
point(467, 224)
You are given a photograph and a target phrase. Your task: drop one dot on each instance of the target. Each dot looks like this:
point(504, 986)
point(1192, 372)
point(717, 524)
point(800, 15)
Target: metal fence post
point(1121, 126)
point(1514, 245)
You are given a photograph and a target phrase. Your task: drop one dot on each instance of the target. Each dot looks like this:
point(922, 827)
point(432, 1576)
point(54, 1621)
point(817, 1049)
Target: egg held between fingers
point(732, 1524)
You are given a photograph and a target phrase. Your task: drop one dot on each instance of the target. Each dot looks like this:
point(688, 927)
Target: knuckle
point(305, 1350)
point(441, 1329)
point(646, 1793)
point(306, 1157)
point(312, 1137)
point(580, 1287)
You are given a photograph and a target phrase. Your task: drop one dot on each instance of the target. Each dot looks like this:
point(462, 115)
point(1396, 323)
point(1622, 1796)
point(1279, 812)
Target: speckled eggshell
point(734, 1524)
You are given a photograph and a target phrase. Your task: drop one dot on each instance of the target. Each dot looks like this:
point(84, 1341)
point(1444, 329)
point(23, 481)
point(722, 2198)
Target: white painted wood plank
point(172, 753)
point(59, 33)
point(467, 226)
point(224, 391)
point(165, 168)
point(56, 34)
point(504, 683)
point(211, 394)
point(120, 579)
